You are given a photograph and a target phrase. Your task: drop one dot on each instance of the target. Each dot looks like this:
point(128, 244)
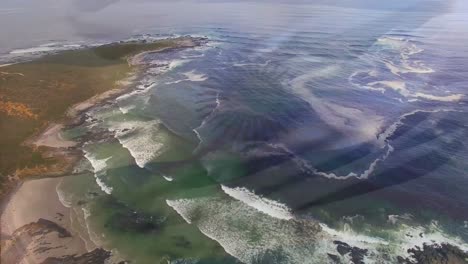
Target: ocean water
point(296, 125)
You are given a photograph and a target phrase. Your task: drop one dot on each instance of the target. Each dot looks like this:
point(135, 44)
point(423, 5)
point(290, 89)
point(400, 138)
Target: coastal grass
point(36, 93)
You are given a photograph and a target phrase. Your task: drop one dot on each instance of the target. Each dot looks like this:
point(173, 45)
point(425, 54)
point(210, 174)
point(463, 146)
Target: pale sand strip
point(52, 137)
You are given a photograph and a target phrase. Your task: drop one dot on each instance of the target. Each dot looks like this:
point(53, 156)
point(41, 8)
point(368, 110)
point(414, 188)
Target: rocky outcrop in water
point(357, 254)
point(435, 254)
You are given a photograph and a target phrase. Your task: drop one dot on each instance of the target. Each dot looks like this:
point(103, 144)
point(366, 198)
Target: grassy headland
point(38, 93)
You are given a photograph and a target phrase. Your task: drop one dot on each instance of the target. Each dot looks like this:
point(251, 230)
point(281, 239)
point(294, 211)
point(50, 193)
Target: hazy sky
point(32, 22)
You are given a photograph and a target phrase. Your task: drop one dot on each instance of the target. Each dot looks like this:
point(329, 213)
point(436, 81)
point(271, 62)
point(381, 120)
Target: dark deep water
point(346, 115)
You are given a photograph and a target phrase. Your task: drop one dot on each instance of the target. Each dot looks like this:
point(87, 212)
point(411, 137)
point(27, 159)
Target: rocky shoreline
point(46, 240)
point(428, 254)
point(49, 142)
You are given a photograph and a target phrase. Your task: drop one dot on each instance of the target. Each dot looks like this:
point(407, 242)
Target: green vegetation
point(34, 94)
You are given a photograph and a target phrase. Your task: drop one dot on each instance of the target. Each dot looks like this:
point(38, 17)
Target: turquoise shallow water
point(297, 125)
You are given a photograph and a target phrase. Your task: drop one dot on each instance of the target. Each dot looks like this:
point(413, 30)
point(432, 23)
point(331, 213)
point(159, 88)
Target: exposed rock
point(357, 254)
point(435, 254)
point(41, 227)
point(35, 240)
point(334, 258)
point(96, 256)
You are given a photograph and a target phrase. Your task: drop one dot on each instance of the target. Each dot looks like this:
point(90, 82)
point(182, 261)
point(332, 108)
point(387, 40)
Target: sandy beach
point(52, 138)
point(36, 226)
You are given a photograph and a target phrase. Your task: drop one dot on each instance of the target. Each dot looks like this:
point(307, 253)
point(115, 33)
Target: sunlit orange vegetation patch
point(17, 110)
point(29, 172)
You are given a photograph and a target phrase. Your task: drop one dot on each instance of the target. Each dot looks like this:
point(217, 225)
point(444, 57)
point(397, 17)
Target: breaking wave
point(140, 138)
point(99, 166)
point(264, 205)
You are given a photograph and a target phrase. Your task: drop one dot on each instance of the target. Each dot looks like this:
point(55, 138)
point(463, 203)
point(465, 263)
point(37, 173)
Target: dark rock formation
point(435, 254)
point(41, 227)
point(97, 256)
point(38, 240)
point(357, 254)
point(334, 258)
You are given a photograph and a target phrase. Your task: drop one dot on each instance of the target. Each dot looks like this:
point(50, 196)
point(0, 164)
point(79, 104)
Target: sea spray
point(264, 205)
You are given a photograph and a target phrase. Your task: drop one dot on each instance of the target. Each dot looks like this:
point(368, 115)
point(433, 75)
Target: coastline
point(32, 201)
point(22, 203)
point(48, 139)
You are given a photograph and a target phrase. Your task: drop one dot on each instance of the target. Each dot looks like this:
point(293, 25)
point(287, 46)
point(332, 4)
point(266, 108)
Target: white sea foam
point(402, 65)
point(33, 50)
point(63, 198)
point(381, 141)
point(264, 205)
point(195, 130)
point(390, 130)
point(99, 166)
point(400, 87)
point(167, 178)
point(193, 76)
point(411, 236)
point(103, 186)
point(95, 238)
point(404, 45)
point(407, 67)
point(48, 47)
point(177, 63)
point(398, 240)
point(235, 225)
point(351, 237)
point(141, 138)
point(307, 167)
point(447, 98)
point(198, 135)
point(126, 109)
point(406, 48)
point(364, 175)
point(394, 219)
point(182, 207)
